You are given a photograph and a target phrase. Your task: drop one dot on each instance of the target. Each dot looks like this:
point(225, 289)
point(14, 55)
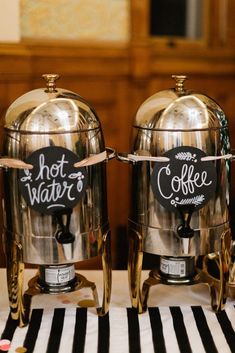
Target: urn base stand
point(20, 301)
point(218, 287)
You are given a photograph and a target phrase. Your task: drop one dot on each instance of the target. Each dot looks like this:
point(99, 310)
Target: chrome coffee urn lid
point(179, 109)
point(50, 110)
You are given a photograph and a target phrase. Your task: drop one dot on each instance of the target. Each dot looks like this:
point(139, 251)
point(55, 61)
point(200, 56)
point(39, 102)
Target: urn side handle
point(106, 155)
point(7, 162)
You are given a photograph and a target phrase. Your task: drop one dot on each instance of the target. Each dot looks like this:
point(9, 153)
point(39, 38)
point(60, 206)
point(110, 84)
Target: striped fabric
point(173, 329)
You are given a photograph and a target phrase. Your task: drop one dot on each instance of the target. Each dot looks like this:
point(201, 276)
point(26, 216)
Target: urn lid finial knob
point(51, 82)
point(179, 82)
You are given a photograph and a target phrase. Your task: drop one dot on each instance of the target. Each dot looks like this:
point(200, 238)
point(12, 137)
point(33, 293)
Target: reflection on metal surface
point(231, 285)
point(45, 118)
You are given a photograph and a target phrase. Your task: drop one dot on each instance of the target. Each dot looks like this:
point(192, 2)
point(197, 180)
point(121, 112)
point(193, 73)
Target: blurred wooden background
point(117, 77)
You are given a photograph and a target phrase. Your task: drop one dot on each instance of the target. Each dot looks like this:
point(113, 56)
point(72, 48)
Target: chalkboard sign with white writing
point(54, 183)
point(185, 180)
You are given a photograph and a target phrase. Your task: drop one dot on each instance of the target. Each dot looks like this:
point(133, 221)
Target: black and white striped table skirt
point(163, 329)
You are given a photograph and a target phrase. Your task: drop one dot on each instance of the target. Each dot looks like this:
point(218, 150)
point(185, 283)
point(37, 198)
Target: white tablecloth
point(180, 319)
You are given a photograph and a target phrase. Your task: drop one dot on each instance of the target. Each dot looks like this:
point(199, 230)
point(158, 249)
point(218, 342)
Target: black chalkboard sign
point(54, 183)
point(185, 180)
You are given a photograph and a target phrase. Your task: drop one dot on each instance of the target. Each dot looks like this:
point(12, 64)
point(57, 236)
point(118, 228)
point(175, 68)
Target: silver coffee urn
point(55, 200)
point(180, 162)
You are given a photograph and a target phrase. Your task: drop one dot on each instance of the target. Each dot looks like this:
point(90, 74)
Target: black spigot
point(184, 230)
point(63, 234)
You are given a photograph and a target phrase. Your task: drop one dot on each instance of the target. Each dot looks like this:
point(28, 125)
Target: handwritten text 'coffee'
point(187, 182)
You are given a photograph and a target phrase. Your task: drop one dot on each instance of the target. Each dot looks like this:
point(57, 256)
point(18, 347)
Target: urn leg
point(231, 290)
point(15, 282)
point(107, 273)
point(218, 287)
point(135, 262)
point(152, 280)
